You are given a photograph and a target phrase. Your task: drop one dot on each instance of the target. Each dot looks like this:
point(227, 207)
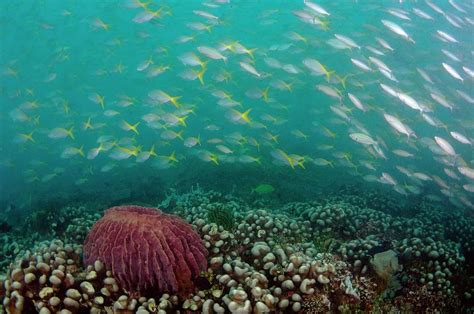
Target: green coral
point(221, 216)
point(326, 243)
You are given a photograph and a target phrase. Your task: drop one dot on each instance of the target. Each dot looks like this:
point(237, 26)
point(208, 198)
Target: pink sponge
point(146, 249)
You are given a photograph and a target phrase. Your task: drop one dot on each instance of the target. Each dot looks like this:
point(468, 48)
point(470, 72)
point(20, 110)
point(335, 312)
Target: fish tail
point(70, 133)
point(245, 116)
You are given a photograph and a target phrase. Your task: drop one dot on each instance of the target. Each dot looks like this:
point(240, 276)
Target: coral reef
point(334, 254)
point(146, 249)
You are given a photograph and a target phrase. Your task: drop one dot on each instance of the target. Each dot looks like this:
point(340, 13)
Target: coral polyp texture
point(146, 249)
point(333, 254)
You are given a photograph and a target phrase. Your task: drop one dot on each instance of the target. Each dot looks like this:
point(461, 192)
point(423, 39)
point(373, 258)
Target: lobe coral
point(146, 249)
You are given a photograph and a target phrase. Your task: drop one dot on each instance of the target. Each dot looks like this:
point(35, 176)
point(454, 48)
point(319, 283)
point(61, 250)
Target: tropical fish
point(263, 189)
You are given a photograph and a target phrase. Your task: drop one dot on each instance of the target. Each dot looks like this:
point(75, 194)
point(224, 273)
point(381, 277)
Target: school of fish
point(156, 84)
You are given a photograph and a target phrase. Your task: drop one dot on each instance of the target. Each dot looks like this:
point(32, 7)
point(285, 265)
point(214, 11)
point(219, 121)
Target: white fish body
point(447, 37)
point(273, 63)
point(191, 142)
point(425, 75)
point(402, 153)
point(431, 121)
point(397, 30)
point(387, 179)
point(468, 187)
point(435, 7)
point(224, 149)
point(409, 101)
point(452, 21)
point(442, 101)
point(249, 68)
point(316, 8)
point(456, 6)
point(389, 90)
point(328, 90)
point(422, 14)
point(362, 138)
point(314, 66)
point(450, 55)
point(212, 53)
point(398, 125)
point(445, 146)
point(375, 51)
point(346, 40)
point(205, 14)
point(422, 176)
point(379, 63)
point(460, 138)
point(398, 13)
point(361, 65)
point(388, 74)
point(58, 133)
point(466, 171)
point(468, 71)
point(384, 44)
point(338, 111)
point(356, 102)
point(452, 72)
point(465, 96)
point(451, 174)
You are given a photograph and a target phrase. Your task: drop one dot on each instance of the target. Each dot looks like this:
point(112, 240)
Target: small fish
point(328, 90)
point(422, 176)
point(98, 99)
point(58, 133)
point(356, 102)
point(409, 101)
point(347, 41)
point(212, 53)
point(460, 138)
point(206, 15)
point(452, 72)
point(422, 14)
point(164, 98)
point(468, 71)
point(362, 138)
point(398, 125)
point(386, 178)
point(389, 90)
point(316, 8)
point(224, 149)
point(72, 151)
point(317, 68)
point(192, 141)
point(263, 189)
point(130, 127)
point(239, 117)
point(384, 44)
point(322, 162)
point(402, 153)
point(445, 146)
point(397, 30)
point(466, 171)
point(361, 65)
point(425, 75)
point(250, 69)
point(447, 37)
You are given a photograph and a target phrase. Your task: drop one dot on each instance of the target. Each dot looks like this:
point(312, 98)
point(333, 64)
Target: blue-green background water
point(56, 55)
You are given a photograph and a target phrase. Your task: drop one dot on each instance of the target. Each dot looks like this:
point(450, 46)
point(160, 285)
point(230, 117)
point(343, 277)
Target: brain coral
point(146, 249)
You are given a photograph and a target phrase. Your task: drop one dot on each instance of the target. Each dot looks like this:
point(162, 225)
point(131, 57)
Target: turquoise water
point(104, 97)
point(297, 133)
